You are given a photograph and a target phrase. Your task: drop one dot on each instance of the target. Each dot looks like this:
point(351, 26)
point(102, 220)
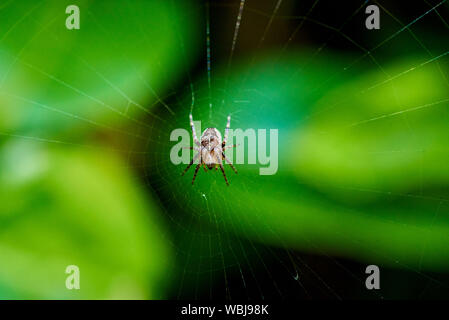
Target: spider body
point(211, 147)
point(210, 150)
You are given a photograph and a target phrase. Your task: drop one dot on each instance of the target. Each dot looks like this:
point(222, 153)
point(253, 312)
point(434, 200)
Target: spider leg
point(220, 163)
point(191, 162)
point(228, 125)
point(204, 167)
point(229, 162)
point(231, 146)
point(224, 174)
point(196, 171)
point(192, 126)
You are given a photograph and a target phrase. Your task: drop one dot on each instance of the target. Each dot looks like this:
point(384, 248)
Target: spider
point(210, 150)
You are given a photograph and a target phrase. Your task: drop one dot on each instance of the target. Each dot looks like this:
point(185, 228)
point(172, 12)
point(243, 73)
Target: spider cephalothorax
point(210, 150)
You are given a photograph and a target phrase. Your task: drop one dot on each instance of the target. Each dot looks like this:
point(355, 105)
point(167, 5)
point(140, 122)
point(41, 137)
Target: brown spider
point(210, 150)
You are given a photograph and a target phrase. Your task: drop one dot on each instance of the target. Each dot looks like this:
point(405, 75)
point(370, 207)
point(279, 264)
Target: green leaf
point(72, 206)
point(121, 60)
point(378, 132)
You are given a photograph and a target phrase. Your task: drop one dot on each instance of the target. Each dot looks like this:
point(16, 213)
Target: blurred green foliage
point(379, 134)
point(64, 198)
point(362, 153)
point(71, 206)
point(106, 72)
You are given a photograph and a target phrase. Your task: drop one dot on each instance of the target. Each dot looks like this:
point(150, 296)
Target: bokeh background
point(86, 177)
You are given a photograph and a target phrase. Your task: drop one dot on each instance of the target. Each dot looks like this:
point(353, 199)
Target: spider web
point(218, 251)
point(222, 257)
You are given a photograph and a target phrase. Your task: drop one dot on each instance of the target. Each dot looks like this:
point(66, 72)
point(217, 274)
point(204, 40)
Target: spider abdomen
point(210, 157)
